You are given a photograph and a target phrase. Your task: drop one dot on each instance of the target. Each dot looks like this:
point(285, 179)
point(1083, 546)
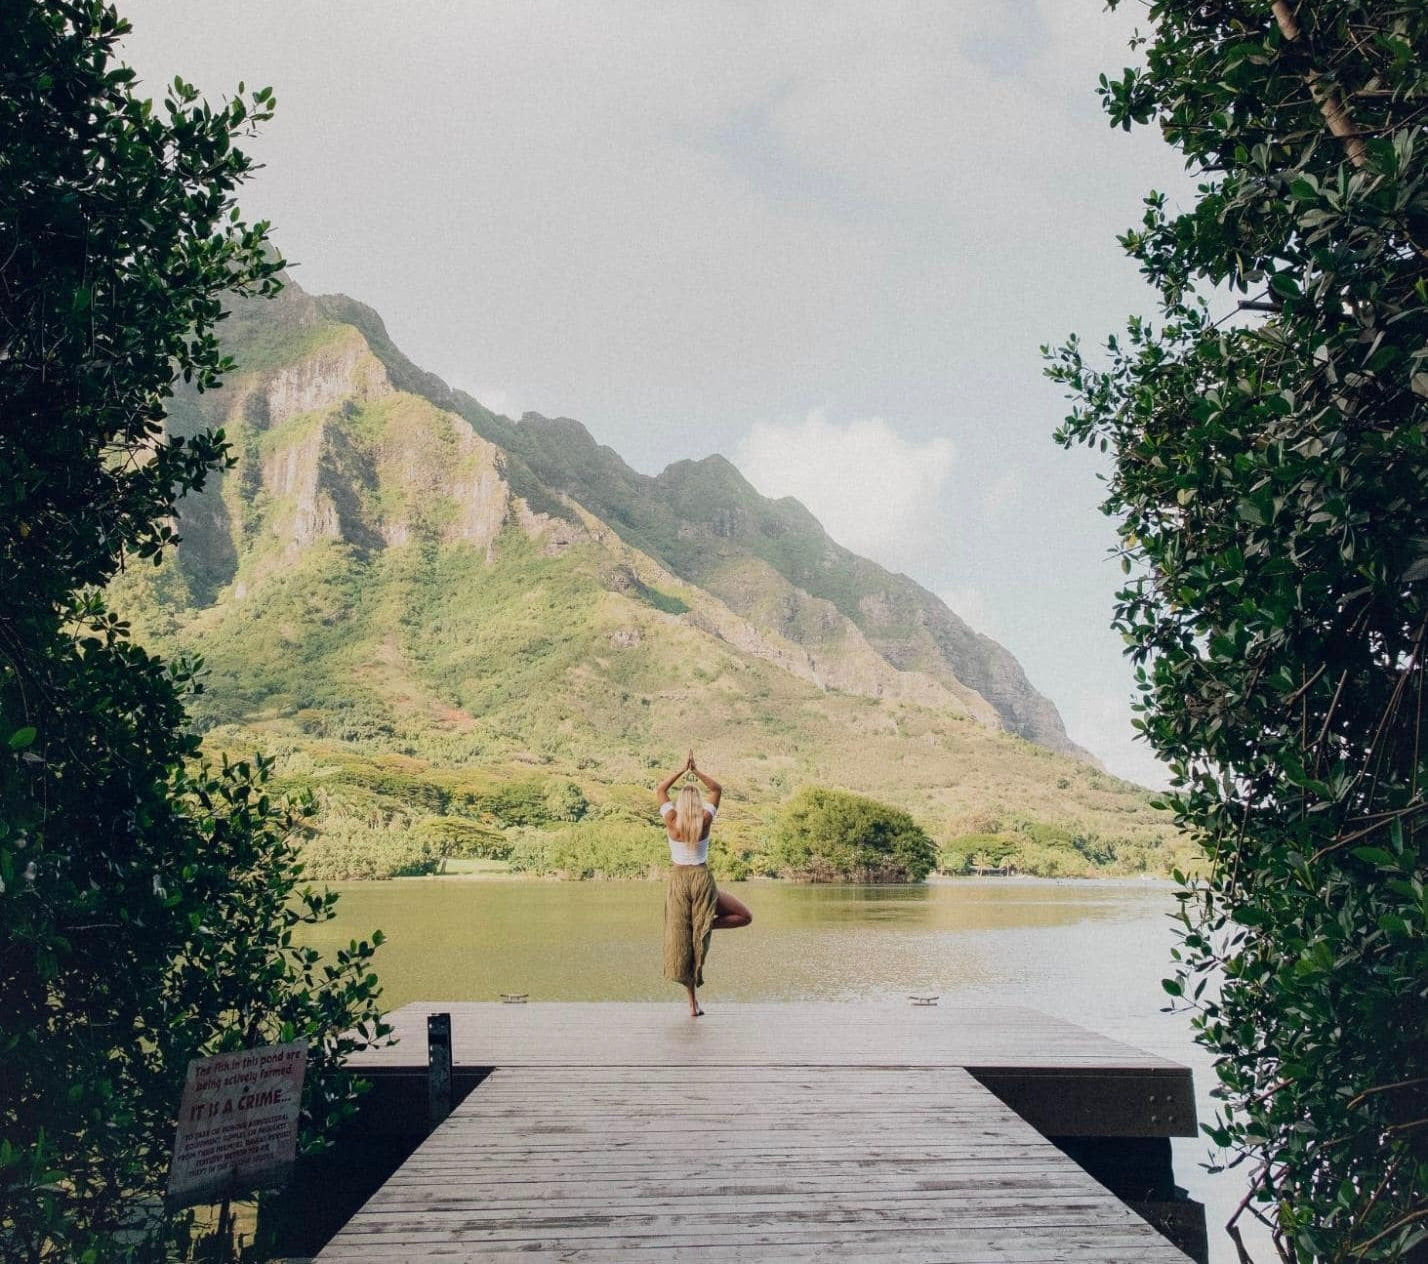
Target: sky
point(826, 239)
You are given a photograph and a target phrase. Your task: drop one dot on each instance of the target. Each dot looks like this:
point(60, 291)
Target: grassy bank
point(393, 817)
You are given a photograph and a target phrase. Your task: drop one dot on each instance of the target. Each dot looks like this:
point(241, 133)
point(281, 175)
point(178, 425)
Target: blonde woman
point(693, 906)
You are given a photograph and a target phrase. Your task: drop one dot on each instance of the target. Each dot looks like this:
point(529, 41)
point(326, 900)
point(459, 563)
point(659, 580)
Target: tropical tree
point(1269, 436)
point(827, 835)
point(147, 902)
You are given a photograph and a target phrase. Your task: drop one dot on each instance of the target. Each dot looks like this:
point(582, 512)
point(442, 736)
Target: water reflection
point(601, 941)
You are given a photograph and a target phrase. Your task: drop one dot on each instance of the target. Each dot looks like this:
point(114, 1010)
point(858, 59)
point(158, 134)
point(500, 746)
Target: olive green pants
point(690, 903)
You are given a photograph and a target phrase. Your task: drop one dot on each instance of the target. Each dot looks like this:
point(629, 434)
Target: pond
point(1092, 952)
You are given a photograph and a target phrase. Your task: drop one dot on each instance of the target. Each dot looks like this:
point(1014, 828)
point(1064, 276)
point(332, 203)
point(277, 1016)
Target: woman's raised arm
point(714, 788)
point(662, 792)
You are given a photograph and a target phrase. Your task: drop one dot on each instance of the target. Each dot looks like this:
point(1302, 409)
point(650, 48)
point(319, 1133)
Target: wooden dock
point(612, 1131)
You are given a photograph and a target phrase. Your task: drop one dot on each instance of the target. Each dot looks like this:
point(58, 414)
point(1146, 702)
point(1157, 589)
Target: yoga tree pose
point(693, 905)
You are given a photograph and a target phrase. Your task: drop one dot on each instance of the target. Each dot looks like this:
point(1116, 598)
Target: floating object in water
point(514, 998)
point(923, 1000)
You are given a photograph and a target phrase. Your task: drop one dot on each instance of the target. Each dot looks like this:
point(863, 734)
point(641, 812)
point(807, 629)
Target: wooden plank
point(967, 1249)
point(952, 1172)
point(1062, 1237)
point(660, 1036)
point(598, 1163)
point(771, 1209)
point(1067, 1081)
point(648, 1187)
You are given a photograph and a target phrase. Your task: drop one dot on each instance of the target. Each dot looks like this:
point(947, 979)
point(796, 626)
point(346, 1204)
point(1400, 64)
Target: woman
point(693, 906)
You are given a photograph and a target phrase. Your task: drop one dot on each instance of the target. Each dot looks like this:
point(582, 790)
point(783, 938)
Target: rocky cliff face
point(772, 562)
point(329, 449)
point(342, 442)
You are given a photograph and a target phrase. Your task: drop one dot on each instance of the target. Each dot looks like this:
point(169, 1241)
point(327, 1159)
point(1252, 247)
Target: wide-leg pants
point(690, 904)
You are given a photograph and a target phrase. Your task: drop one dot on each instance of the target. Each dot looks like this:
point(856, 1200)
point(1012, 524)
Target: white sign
point(238, 1123)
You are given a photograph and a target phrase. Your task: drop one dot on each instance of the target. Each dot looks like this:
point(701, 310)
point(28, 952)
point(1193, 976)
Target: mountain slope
point(704, 521)
point(437, 617)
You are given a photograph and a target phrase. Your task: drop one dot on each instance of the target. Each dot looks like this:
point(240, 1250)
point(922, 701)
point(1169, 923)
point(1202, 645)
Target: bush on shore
point(833, 836)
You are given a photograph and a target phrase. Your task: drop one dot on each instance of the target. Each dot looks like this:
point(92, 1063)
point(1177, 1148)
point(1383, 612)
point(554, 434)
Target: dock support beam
point(438, 1068)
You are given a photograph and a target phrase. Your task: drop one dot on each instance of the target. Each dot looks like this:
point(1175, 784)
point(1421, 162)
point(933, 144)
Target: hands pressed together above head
point(692, 769)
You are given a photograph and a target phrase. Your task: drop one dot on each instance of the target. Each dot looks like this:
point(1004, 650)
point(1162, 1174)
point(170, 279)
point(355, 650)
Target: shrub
point(834, 836)
point(453, 836)
point(520, 802)
point(564, 800)
point(592, 849)
point(347, 849)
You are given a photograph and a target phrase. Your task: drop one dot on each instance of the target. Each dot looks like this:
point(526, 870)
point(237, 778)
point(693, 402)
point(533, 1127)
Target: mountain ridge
point(417, 604)
point(985, 666)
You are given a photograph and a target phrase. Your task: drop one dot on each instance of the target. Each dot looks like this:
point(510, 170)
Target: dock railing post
point(438, 1067)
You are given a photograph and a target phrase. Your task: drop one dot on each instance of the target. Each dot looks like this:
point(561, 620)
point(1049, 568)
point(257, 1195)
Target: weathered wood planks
point(609, 1163)
point(617, 1033)
point(1064, 1080)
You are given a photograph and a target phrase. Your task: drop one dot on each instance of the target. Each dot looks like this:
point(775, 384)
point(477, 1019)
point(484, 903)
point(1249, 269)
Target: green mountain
point(476, 637)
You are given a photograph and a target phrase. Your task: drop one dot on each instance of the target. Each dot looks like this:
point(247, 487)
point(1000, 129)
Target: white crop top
point(682, 853)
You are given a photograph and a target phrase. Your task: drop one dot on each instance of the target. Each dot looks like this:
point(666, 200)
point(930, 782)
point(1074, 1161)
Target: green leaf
point(1376, 856)
point(21, 738)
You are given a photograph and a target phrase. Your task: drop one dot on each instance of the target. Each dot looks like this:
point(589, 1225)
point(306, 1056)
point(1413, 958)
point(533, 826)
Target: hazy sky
point(825, 239)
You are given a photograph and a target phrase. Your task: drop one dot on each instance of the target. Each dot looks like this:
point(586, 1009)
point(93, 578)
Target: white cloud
point(875, 492)
point(504, 402)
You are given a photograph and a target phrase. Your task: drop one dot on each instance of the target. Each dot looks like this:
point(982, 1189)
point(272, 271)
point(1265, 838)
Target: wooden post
point(224, 1232)
point(438, 1067)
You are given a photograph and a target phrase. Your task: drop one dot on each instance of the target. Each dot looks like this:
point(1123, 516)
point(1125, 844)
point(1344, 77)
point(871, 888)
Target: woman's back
point(687, 825)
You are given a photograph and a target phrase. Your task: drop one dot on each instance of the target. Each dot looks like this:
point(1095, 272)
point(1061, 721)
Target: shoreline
point(936, 880)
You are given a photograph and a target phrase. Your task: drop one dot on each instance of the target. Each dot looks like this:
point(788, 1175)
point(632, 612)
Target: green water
point(1025, 941)
point(1090, 952)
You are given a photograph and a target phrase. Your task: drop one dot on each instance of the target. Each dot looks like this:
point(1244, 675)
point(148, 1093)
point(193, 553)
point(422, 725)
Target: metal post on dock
point(438, 1067)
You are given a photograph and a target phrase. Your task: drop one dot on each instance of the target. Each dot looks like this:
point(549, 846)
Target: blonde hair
point(689, 815)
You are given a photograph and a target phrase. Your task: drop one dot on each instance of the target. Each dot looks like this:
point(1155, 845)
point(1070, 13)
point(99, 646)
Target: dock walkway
point(613, 1131)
